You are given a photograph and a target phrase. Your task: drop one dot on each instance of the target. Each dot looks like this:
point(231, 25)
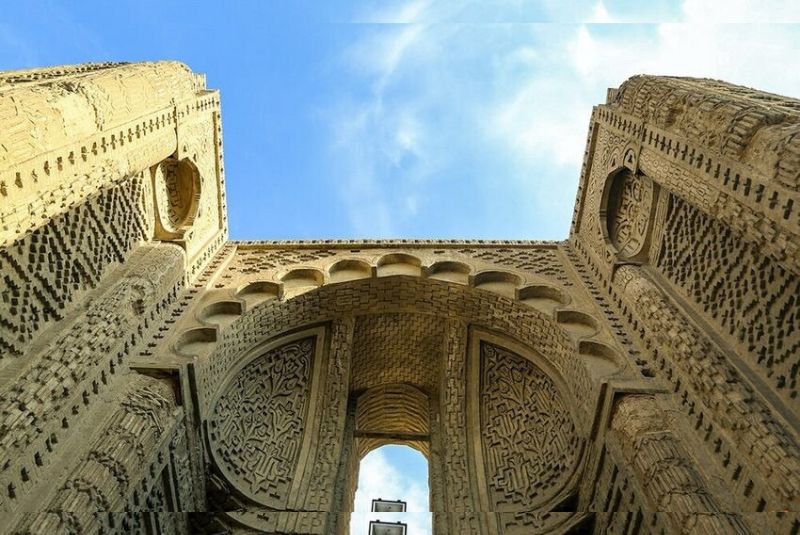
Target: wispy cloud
point(381, 143)
point(740, 11)
point(392, 12)
point(495, 115)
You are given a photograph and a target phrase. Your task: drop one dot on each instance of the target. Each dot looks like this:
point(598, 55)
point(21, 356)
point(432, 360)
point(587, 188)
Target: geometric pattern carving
point(529, 439)
point(85, 298)
point(396, 348)
point(333, 400)
point(41, 273)
point(255, 262)
point(454, 425)
point(256, 428)
point(754, 299)
point(629, 204)
point(653, 453)
point(541, 261)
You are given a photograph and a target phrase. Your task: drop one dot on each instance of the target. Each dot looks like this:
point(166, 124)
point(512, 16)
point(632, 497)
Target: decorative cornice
point(394, 244)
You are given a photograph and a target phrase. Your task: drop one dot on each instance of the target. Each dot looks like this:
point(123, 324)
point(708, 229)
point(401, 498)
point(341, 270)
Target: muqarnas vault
point(639, 377)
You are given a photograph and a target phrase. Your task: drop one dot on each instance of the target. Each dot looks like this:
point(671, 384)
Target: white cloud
point(732, 52)
point(397, 13)
point(546, 110)
point(509, 104)
point(536, 121)
point(600, 14)
point(740, 11)
point(378, 478)
point(382, 146)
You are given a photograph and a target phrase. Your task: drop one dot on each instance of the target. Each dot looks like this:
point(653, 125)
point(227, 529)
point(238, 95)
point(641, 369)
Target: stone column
point(666, 474)
point(455, 510)
point(322, 492)
point(126, 457)
point(46, 406)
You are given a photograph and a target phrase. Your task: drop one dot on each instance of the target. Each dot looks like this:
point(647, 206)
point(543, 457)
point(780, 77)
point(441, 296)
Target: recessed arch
point(450, 271)
point(196, 341)
point(400, 295)
point(577, 323)
point(399, 264)
point(349, 269)
point(301, 280)
point(221, 312)
point(601, 359)
point(543, 297)
point(257, 291)
point(501, 282)
point(389, 311)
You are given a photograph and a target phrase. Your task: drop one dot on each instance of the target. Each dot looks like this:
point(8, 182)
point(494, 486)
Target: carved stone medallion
point(530, 443)
point(256, 427)
point(628, 216)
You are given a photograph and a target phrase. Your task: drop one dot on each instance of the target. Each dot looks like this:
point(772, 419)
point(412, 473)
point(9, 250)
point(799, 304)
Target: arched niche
point(257, 291)
point(450, 271)
point(399, 264)
point(380, 323)
point(501, 282)
point(300, 280)
point(543, 297)
point(349, 269)
point(627, 212)
point(221, 313)
point(176, 189)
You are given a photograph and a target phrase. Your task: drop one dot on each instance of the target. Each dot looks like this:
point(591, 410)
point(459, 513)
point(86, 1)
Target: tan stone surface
point(639, 377)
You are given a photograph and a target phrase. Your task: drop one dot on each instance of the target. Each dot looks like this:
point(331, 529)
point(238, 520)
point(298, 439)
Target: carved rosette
point(530, 443)
point(256, 427)
point(629, 212)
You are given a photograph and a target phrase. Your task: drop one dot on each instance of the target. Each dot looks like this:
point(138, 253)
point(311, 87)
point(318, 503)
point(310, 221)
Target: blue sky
point(416, 118)
point(393, 473)
point(348, 119)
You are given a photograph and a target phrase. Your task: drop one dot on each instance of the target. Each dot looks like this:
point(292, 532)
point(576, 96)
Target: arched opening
point(408, 362)
point(393, 472)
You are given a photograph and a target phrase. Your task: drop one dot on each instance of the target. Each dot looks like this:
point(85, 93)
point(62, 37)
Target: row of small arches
point(545, 298)
point(505, 283)
point(296, 281)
